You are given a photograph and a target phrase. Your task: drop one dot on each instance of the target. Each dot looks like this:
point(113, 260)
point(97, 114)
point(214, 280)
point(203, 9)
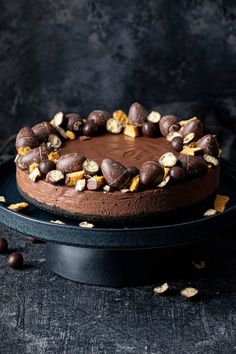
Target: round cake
point(117, 168)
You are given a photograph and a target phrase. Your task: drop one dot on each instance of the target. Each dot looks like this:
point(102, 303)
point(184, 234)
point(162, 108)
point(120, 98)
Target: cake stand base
point(121, 267)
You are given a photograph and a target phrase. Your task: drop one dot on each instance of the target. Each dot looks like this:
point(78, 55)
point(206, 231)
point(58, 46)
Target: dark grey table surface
point(43, 313)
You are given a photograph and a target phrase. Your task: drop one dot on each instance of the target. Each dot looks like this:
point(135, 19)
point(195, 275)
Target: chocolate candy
point(59, 119)
point(133, 171)
point(194, 126)
point(15, 260)
point(90, 128)
point(114, 126)
point(168, 124)
point(55, 141)
point(43, 130)
point(26, 138)
point(99, 118)
point(74, 122)
point(177, 143)
point(194, 166)
point(115, 174)
point(209, 144)
point(70, 162)
point(150, 130)
point(177, 174)
point(36, 155)
point(137, 114)
point(91, 167)
point(55, 177)
point(46, 166)
point(3, 245)
point(151, 173)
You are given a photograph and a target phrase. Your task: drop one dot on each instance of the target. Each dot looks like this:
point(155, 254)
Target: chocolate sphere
point(150, 129)
point(15, 260)
point(46, 166)
point(3, 245)
point(90, 128)
point(177, 174)
point(133, 170)
point(177, 143)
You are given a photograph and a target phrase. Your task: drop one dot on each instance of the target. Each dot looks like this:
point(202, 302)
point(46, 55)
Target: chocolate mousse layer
point(116, 205)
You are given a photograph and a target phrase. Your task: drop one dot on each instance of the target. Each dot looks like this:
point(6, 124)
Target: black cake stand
point(112, 256)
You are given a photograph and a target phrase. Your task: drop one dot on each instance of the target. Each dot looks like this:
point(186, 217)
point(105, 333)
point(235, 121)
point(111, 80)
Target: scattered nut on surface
point(125, 190)
point(2, 199)
point(189, 292)
point(107, 188)
point(86, 224)
point(220, 202)
point(210, 212)
point(211, 159)
point(18, 206)
point(161, 289)
point(199, 265)
point(154, 117)
point(57, 222)
point(168, 159)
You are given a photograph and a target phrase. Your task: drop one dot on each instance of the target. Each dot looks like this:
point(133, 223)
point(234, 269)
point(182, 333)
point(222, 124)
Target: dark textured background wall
point(77, 55)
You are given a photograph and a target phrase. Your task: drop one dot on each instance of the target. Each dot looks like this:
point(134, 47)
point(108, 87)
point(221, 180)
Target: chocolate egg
point(194, 166)
point(151, 173)
point(209, 144)
point(26, 138)
point(137, 114)
point(43, 130)
point(70, 162)
point(115, 174)
point(100, 118)
point(193, 126)
point(166, 123)
point(35, 155)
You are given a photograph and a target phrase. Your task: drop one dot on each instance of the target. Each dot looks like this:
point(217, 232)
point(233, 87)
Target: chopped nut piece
point(164, 182)
point(114, 126)
point(188, 138)
point(134, 185)
point(95, 183)
point(187, 150)
point(168, 159)
point(80, 185)
point(18, 206)
point(172, 135)
point(55, 141)
point(161, 289)
point(52, 122)
point(70, 135)
point(2, 199)
point(55, 177)
point(121, 116)
point(200, 265)
point(131, 131)
point(53, 156)
point(189, 292)
point(154, 117)
point(107, 188)
point(210, 212)
point(73, 177)
point(211, 159)
point(35, 174)
point(23, 150)
point(183, 122)
point(86, 224)
point(125, 190)
point(57, 222)
point(33, 166)
point(220, 202)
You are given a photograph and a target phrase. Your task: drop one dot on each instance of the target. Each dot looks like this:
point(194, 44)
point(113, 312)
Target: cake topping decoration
point(133, 170)
point(131, 131)
point(90, 128)
point(43, 130)
point(95, 183)
point(99, 118)
point(192, 126)
point(46, 166)
point(165, 124)
point(151, 173)
point(194, 166)
point(209, 144)
point(150, 130)
point(154, 117)
point(177, 143)
point(91, 167)
point(121, 116)
point(177, 174)
point(80, 185)
point(72, 162)
point(26, 140)
point(55, 141)
point(114, 126)
point(55, 177)
point(73, 177)
point(211, 159)
point(220, 202)
point(168, 160)
point(137, 114)
point(115, 174)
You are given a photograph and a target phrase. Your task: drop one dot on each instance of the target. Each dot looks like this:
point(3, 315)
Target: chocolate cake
point(117, 168)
